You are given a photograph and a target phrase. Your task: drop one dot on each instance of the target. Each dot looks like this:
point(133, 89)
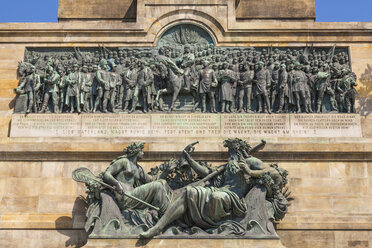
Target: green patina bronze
point(186, 72)
point(241, 198)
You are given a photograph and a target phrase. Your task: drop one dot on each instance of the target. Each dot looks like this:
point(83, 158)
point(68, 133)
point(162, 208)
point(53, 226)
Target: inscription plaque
point(186, 125)
point(255, 125)
point(326, 125)
point(39, 125)
point(111, 125)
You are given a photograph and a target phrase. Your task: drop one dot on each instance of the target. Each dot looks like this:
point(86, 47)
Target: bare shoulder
point(120, 162)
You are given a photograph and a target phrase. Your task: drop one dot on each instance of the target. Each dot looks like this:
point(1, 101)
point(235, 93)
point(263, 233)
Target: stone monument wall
point(122, 10)
point(330, 173)
point(282, 9)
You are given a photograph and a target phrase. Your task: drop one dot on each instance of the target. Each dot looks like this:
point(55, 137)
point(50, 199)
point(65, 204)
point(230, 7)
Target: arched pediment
point(200, 19)
point(185, 34)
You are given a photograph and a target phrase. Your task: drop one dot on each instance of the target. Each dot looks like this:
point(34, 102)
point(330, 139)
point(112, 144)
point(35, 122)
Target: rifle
point(312, 49)
point(329, 68)
point(38, 95)
point(270, 50)
point(82, 91)
point(105, 50)
point(80, 88)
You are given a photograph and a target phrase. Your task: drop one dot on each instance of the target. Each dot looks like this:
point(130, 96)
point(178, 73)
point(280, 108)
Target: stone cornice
point(243, 26)
point(266, 156)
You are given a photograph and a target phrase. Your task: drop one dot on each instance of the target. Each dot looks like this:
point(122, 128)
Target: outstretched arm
point(252, 173)
point(258, 147)
point(21, 85)
point(200, 170)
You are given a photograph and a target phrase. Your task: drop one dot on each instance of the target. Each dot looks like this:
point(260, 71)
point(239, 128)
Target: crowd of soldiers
point(218, 79)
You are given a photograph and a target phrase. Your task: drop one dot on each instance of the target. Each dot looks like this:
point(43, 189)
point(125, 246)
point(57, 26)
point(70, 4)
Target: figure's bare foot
point(152, 232)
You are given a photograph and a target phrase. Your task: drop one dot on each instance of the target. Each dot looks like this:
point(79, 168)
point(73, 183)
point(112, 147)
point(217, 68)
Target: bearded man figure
point(210, 206)
point(207, 81)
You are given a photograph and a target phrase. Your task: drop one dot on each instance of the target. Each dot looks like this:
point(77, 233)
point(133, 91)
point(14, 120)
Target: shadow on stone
point(365, 92)
point(66, 225)
point(12, 103)
point(142, 242)
point(9, 128)
point(130, 15)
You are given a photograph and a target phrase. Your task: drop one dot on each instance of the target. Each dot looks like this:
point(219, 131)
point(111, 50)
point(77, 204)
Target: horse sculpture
point(23, 68)
point(175, 83)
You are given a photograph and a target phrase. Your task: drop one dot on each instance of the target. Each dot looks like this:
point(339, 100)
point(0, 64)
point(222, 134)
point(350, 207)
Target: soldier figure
point(73, 81)
point(245, 87)
point(115, 82)
point(207, 80)
point(96, 89)
point(103, 86)
point(62, 88)
point(120, 69)
point(235, 68)
point(274, 84)
point(346, 93)
point(150, 87)
point(308, 85)
point(322, 87)
point(283, 89)
point(130, 81)
point(186, 62)
point(51, 80)
point(227, 79)
point(312, 83)
point(349, 98)
point(86, 90)
point(30, 85)
point(141, 87)
point(299, 81)
point(262, 81)
point(291, 76)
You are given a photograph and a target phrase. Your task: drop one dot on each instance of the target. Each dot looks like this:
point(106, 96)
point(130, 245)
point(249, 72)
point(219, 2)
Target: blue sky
point(46, 10)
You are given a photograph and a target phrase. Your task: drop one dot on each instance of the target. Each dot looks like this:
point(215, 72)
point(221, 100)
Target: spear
point(330, 61)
